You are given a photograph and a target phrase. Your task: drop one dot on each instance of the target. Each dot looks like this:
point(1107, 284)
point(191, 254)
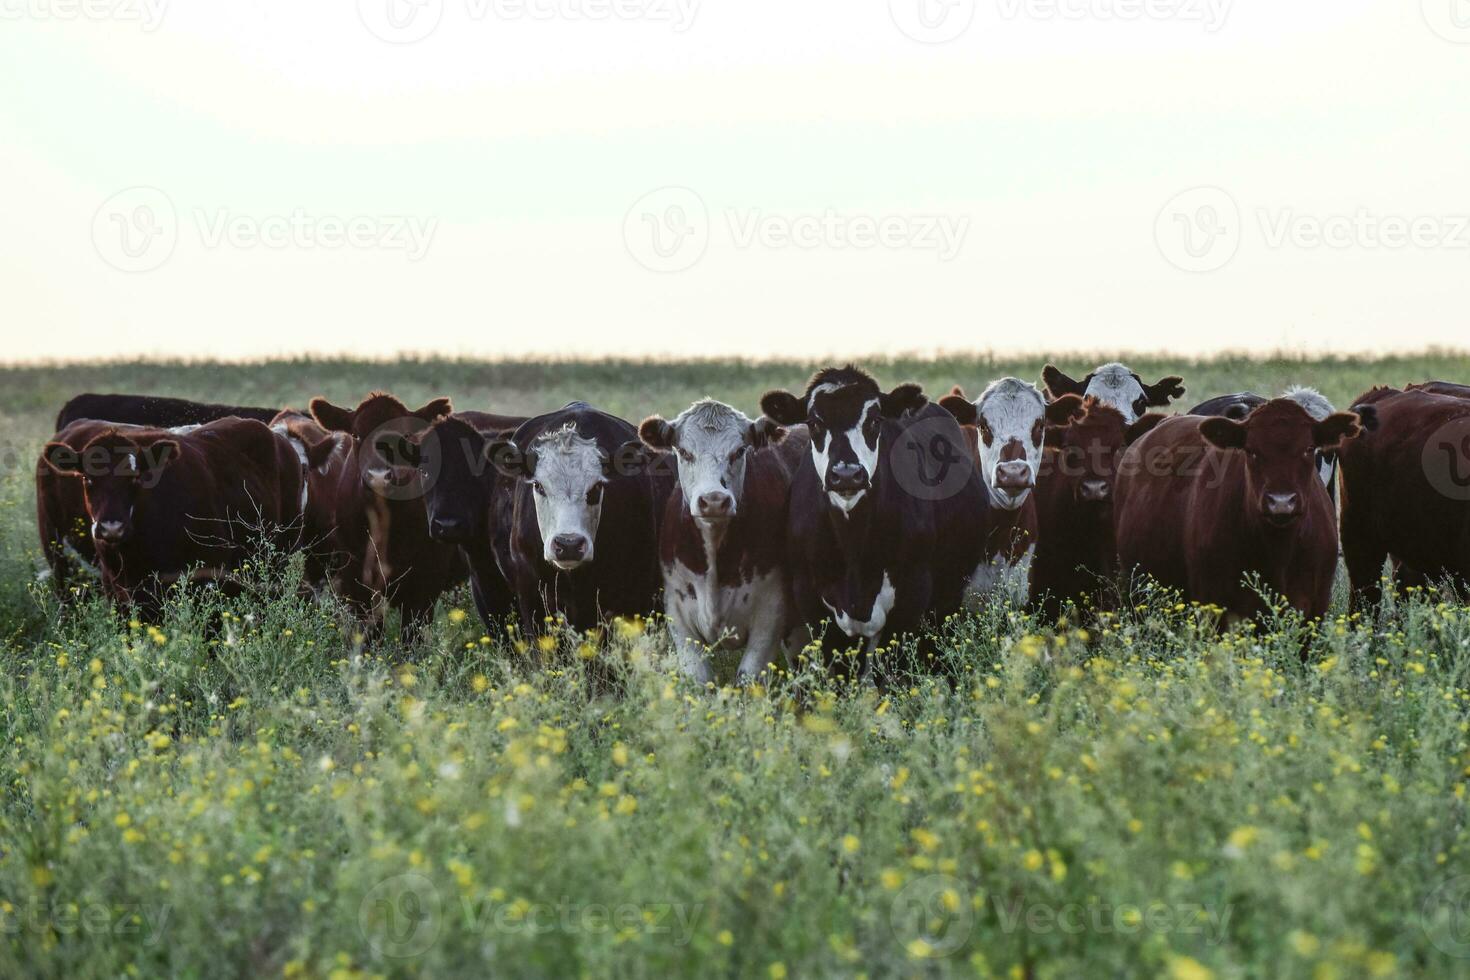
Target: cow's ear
point(1052, 436)
point(331, 417)
point(765, 432)
point(1160, 394)
point(1059, 384)
point(434, 410)
point(1367, 416)
point(629, 459)
point(783, 407)
point(956, 404)
point(510, 460)
point(398, 448)
point(1144, 424)
point(317, 453)
point(1332, 430)
point(1223, 433)
point(958, 392)
point(657, 434)
point(902, 400)
point(1063, 410)
point(61, 459)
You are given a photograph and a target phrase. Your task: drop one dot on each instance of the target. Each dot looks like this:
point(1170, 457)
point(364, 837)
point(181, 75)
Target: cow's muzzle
point(1282, 509)
point(715, 506)
point(1094, 491)
point(110, 532)
point(569, 550)
point(846, 479)
point(448, 530)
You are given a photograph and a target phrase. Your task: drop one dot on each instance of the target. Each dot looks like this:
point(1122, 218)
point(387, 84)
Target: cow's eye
point(739, 452)
point(540, 490)
point(1038, 432)
point(594, 496)
point(685, 456)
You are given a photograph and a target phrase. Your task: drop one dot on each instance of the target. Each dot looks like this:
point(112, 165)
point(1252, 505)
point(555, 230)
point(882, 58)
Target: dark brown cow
point(1076, 554)
point(154, 410)
point(1406, 490)
point(323, 457)
point(163, 503)
point(1449, 388)
point(380, 548)
point(1206, 503)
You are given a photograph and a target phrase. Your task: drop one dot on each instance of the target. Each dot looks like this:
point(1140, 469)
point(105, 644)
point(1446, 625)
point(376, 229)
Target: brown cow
point(323, 457)
point(1075, 549)
point(1005, 429)
point(1206, 503)
point(163, 503)
point(1405, 489)
point(379, 544)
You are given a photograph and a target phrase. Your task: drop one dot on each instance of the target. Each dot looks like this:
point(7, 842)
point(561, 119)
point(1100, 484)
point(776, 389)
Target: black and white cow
point(1240, 404)
point(1116, 385)
point(722, 544)
point(885, 523)
point(1004, 429)
point(584, 506)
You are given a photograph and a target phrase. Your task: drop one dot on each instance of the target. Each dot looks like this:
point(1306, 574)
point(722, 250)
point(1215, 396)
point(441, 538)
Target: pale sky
point(710, 177)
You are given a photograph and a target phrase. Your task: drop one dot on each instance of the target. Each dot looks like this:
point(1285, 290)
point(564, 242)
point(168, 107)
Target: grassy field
point(1137, 796)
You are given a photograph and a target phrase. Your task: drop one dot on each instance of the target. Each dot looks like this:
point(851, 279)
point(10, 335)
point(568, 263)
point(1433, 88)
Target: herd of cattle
point(845, 516)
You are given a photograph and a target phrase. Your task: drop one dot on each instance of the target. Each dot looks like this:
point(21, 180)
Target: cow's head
point(115, 471)
point(1280, 441)
point(1114, 384)
point(711, 442)
point(1319, 408)
point(569, 476)
point(452, 462)
point(1087, 450)
point(1011, 418)
point(845, 411)
point(374, 425)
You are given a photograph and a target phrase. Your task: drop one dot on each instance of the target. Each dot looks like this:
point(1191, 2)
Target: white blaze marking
point(1010, 408)
point(867, 628)
point(567, 468)
point(1113, 384)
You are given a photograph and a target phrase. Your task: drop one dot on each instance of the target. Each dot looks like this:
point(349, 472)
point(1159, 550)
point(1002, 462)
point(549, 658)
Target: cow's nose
point(1094, 490)
point(1283, 506)
point(110, 531)
point(1014, 477)
point(716, 505)
point(446, 529)
point(569, 547)
point(846, 478)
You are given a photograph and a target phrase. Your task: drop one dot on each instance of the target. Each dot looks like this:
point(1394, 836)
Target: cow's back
point(153, 411)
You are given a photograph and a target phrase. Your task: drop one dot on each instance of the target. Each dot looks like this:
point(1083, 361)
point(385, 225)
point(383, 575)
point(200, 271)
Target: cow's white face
point(712, 443)
point(568, 476)
point(1011, 417)
point(846, 427)
point(1115, 385)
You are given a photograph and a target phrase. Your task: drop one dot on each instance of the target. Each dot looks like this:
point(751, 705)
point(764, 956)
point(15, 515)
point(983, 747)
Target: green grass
point(1138, 797)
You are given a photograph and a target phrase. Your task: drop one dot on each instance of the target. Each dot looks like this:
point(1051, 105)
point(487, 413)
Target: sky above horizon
point(706, 177)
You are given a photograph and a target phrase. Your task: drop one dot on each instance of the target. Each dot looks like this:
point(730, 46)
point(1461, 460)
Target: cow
point(884, 526)
point(1076, 554)
point(583, 509)
point(1207, 505)
point(165, 504)
point(722, 543)
point(380, 552)
point(323, 456)
point(463, 507)
point(153, 410)
point(1004, 429)
point(1116, 385)
point(1240, 404)
point(1406, 491)
point(1448, 388)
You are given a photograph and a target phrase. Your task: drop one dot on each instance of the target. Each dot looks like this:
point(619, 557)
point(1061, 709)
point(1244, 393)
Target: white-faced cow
point(584, 517)
point(722, 544)
point(1004, 429)
point(1116, 385)
point(885, 523)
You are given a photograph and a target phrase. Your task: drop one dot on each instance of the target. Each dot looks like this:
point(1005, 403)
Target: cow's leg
point(1364, 557)
point(692, 659)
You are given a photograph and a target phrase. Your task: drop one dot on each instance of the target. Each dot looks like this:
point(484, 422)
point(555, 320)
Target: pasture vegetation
point(244, 789)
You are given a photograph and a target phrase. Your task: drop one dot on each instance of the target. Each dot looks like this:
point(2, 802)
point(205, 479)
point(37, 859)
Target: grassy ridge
point(1139, 796)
